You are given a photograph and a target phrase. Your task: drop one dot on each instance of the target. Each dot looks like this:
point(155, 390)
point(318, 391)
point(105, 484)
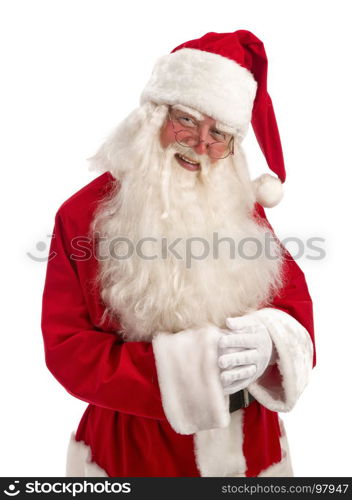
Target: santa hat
point(224, 75)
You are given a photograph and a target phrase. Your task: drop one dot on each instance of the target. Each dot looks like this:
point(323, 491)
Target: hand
point(244, 353)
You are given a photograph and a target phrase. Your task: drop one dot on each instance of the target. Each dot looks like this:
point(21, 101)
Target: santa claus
point(184, 323)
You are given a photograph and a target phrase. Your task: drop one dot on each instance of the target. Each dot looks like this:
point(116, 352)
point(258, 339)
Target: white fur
point(268, 190)
point(157, 198)
point(213, 84)
point(79, 462)
point(189, 380)
point(219, 452)
point(294, 359)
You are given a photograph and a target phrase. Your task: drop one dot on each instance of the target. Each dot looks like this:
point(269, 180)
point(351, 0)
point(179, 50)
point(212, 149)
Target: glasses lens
point(219, 150)
point(186, 138)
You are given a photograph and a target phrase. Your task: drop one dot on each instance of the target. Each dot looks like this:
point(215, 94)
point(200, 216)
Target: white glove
point(244, 353)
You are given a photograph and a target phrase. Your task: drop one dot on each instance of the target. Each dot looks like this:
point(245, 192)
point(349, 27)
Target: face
point(193, 137)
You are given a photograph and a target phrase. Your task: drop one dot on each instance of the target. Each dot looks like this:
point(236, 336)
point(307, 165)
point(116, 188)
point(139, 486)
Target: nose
point(201, 147)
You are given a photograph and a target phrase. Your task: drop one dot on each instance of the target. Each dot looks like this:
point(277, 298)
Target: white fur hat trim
point(210, 83)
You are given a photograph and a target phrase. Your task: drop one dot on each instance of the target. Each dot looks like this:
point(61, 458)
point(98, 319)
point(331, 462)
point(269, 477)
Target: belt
point(240, 399)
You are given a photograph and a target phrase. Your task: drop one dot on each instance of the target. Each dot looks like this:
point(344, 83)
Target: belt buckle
point(245, 398)
point(240, 399)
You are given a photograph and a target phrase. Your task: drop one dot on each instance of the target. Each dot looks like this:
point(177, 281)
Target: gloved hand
point(244, 353)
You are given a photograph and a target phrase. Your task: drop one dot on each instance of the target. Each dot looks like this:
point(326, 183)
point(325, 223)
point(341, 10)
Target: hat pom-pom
point(268, 190)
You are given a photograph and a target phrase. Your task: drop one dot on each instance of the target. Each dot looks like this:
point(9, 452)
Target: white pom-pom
point(268, 190)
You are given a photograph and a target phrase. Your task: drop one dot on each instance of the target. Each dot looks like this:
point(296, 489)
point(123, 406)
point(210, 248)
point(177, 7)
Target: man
point(178, 317)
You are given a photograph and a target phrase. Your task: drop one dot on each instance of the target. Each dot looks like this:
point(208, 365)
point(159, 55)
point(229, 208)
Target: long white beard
point(159, 199)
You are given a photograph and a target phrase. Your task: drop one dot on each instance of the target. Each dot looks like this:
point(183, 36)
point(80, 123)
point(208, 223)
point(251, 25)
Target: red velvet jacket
point(124, 424)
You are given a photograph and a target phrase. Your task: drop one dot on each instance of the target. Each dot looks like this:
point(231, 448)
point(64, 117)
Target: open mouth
point(187, 162)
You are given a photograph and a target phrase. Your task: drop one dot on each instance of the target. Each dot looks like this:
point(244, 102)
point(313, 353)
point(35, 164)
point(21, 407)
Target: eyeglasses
point(188, 135)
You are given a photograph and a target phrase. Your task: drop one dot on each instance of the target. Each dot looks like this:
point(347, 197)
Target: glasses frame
point(229, 145)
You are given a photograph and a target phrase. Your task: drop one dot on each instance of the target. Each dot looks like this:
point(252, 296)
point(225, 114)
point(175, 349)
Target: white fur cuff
point(189, 380)
point(294, 359)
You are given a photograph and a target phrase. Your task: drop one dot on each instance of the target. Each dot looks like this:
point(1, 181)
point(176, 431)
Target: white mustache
point(188, 152)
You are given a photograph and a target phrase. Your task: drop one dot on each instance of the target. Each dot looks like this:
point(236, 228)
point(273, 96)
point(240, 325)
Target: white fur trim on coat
point(79, 462)
point(219, 452)
point(189, 380)
point(294, 350)
point(213, 84)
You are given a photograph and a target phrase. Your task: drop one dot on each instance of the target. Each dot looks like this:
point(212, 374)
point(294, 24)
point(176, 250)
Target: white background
point(70, 71)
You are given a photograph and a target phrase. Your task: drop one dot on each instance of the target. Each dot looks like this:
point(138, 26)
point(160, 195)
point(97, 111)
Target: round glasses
point(189, 137)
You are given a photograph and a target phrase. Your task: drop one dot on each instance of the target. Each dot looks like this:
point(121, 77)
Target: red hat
point(224, 75)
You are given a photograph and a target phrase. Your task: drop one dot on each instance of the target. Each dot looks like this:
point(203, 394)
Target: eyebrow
point(222, 127)
point(190, 111)
point(225, 128)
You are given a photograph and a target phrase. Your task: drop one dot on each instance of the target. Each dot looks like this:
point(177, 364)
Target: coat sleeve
point(289, 320)
point(93, 365)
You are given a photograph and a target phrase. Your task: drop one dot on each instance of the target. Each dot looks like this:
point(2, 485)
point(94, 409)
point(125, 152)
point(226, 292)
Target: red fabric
point(294, 298)
point(132, 446)
point(261, 443)
point(247, 50)
point(124, 424)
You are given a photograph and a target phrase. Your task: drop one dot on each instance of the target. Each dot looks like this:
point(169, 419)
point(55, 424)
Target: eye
point(218, 136)
point(186, 121)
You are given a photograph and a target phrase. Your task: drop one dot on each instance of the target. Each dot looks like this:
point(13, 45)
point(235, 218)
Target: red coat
point(124, 425)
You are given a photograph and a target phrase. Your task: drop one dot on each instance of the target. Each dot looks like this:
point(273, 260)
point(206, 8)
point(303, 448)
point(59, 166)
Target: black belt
point(240, 399)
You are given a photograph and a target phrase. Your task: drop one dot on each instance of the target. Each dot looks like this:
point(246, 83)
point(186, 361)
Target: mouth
point(187, 162)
